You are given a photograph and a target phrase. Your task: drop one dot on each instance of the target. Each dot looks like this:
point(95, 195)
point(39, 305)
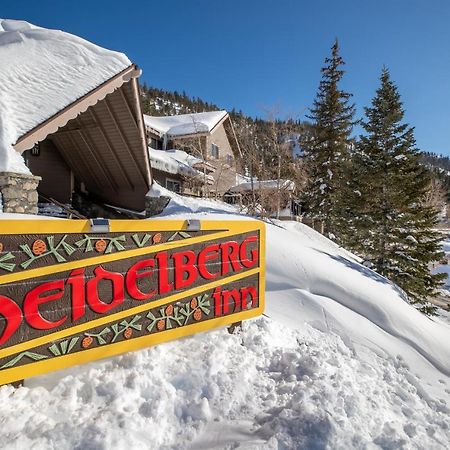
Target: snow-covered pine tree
point(396, 224)
point(351, 221)
point(326, 150)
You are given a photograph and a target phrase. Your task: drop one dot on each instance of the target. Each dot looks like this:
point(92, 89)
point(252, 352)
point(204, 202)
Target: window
point(229, 160)
point(173, 185)
point(215, 151)
point(36, 150)
point(157, 144)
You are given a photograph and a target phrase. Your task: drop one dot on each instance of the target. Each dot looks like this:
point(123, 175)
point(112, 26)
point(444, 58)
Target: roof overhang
point(101, 136)
point(60, 119)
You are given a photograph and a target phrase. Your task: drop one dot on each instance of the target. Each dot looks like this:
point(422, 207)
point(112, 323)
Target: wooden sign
point(69, 295)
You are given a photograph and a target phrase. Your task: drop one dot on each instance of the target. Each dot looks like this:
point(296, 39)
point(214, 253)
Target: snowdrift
point(340, 360)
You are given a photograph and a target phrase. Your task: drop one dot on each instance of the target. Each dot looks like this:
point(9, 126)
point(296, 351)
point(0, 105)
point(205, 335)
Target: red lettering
point(76, 282)
point(12, 318)
point(217, 295)
point(245, 261)
point(184, 263)
point(35, 298)
point(106, 290)
point(227, 296)
point(245, 292)
point(133, 275)
point(95, 302)
point(234, 300)
point(163, 273)
point(208, 254)
point(230, 254)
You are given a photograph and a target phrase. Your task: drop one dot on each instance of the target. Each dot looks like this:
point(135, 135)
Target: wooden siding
point(57, 178)
point(106, 149)
point(161, 177)
point(225, 173)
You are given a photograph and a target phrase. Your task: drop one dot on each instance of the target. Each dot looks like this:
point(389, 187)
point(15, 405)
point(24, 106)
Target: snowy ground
point(339, 361)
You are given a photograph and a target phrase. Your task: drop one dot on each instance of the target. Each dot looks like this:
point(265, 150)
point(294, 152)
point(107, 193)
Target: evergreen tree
point(395, 223)
point(326, 151)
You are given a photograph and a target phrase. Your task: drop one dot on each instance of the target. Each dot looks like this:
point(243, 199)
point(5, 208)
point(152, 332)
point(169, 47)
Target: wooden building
point(209, 137)
point(71, 110)
point(95, 145)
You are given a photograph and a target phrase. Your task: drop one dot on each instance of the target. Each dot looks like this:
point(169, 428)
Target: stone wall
point(155, 205)
point(19, 193)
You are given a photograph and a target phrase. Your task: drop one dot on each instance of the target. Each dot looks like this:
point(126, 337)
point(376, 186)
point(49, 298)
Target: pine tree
point(396, 224)
point(326, 152)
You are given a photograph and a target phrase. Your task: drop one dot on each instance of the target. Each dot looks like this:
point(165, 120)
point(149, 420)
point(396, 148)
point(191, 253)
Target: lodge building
point(72, 132)
point(76, 121)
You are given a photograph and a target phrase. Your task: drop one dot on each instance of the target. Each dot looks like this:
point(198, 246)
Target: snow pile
point(46, 70)
point(188, 206)
point(184, 157)
point(184, 124)
point(340, 361)
point(164, 160)
point(284, 185)
point(178, 162)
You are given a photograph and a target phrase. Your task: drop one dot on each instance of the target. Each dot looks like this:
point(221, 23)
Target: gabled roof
point(185, 124)
point(46, 71)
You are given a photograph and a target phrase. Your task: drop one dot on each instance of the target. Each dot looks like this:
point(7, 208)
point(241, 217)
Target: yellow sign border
point(223, 228)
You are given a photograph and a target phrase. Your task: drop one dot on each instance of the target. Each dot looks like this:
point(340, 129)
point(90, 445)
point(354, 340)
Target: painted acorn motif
point(169, 310)
point(197, 315)
point(87, 342)
point(128, 333)
point(100, 245)
point(39, 247)
point(194, 303)
point(1, 247)
point(157, 238)
point(161, 325)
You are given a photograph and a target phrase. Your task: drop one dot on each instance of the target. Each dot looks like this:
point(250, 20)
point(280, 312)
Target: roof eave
point(58, 120)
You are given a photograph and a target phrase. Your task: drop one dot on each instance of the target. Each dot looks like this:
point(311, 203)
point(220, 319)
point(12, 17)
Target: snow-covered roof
point(285, 185)
point(184, 124)
point(176, 162)
point(165, 161)
point(184, 157)
point(46, 71)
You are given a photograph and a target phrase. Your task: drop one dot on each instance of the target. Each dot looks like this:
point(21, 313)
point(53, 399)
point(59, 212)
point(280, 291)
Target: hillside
point(339, 360)
point(158, 102)
point(261, 140)
point(258, 137)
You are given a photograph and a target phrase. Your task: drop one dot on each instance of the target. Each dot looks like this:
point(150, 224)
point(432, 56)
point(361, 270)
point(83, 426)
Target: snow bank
point(191, 206)
point(43, 71)
point(178, 162)
point(246, 186)
point(341, 360)
point(183, 124)
point(164, 160)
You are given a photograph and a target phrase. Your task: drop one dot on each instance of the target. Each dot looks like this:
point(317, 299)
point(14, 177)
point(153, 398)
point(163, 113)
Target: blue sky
point(266, 55)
